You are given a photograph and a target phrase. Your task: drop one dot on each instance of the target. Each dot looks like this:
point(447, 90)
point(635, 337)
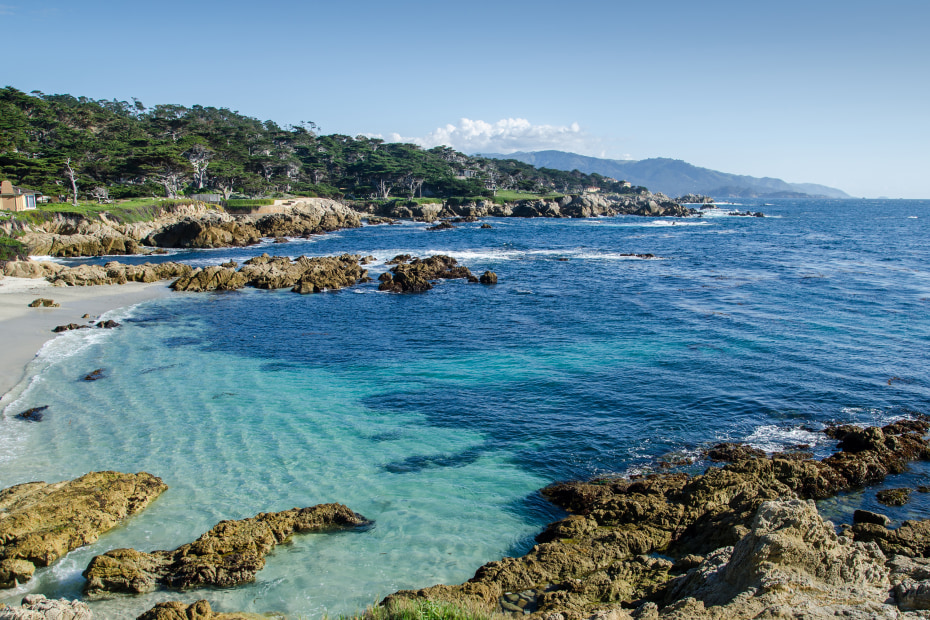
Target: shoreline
point(25, 330)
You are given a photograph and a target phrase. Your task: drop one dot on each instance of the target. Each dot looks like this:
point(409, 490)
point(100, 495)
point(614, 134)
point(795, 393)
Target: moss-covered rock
point(40, 522)
point(230, 554)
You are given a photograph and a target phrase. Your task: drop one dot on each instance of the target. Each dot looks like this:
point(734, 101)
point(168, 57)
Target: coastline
point(25, 330)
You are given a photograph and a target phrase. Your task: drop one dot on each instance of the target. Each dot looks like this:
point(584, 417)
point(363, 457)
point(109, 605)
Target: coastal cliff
point(196, 225)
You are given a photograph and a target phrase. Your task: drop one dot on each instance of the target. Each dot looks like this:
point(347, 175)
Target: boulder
point(30, 269)
point(116, 273)
point(488, 277)
point(415, 276)
point(893, 497)
point(34, 414)
point(210, 279)
point(731, 452)
point(230, 554)
point(790, 559)
point(69, 327)
point(213, 230)
point(41, 522)
point(37, 607)
point(43, 303)
point(200, 610)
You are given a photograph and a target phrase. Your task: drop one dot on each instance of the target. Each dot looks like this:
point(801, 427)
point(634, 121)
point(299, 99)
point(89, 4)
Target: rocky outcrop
point(43, 302)
point(309, 216)
point(302, 275)
point(213, 230)
point(790, 560)
point(583, 205)
point(41, 522)
point(201, 610)
point(414, 275)
point(213, 278)
point(37, 607)
point(117, 273)
point(230, 554)
point(655, 542)
point(189, 226)
point(695, 199)
point(30, 269)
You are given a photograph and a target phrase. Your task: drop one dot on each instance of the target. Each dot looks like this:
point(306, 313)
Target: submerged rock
point(41, 522)
point(94, 375)
point(230, 554)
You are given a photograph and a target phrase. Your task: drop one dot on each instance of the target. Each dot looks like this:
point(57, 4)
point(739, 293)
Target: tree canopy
point(119, 149)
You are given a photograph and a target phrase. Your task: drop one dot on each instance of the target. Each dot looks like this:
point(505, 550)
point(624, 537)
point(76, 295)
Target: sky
point(835, 92)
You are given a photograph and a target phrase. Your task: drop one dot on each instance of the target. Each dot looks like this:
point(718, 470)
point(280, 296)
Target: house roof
point(7, 189)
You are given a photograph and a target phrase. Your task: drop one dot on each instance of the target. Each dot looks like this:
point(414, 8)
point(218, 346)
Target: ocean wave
point(773, 438)
point(663, 223)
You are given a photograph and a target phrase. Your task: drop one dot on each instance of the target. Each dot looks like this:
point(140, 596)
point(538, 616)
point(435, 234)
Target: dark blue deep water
point(440, 414)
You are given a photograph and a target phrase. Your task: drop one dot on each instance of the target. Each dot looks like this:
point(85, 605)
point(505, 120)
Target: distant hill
point(674, 177)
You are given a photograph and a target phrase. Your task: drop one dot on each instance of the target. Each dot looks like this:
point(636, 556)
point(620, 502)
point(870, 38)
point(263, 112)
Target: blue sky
point(831, 92)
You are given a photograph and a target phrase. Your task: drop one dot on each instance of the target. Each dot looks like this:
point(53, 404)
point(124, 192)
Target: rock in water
point(37, 607)
point(230, 554)
point(33, 415)
point(68, 327)
point(201, 610)
point(893, 497)
point(40, 522)
point(612, 552)
point(488, 277)
point(414, 276)
point(94, 375)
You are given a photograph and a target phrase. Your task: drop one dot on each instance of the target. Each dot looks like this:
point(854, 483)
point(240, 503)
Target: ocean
point(440, 415)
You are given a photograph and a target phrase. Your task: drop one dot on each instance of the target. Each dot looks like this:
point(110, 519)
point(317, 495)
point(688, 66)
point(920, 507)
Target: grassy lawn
point(125, 211)
point(507, 195)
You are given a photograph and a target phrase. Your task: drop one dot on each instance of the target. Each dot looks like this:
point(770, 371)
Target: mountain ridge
point(674, 177)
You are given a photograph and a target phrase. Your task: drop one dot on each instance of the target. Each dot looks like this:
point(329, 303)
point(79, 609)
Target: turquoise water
point(440, 415)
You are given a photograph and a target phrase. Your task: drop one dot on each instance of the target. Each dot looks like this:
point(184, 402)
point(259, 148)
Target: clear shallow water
point(440, 415)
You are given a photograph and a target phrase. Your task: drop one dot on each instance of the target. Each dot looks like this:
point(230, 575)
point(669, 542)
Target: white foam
point(774, 438)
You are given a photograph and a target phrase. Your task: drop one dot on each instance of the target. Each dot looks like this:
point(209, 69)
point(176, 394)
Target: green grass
point(238, 203)
point(11, 249)
point(508, 195)
point(419, 609)
point(124, 211)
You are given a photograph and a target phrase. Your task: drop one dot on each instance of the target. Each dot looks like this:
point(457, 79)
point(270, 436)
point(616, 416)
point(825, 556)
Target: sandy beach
point(23, 330)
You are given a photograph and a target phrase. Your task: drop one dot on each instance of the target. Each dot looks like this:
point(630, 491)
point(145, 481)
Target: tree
point(69, 172)
point(199, 157)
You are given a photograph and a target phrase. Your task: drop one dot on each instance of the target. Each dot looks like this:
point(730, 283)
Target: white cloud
point(506, 136)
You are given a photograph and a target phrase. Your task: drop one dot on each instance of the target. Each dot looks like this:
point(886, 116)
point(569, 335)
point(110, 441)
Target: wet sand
point(24, 330)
